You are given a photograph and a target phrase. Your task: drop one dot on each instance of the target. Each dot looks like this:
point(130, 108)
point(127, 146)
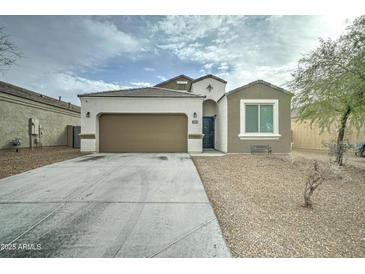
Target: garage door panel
point(143, 133)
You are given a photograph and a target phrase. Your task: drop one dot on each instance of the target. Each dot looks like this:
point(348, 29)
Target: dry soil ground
point(12, 162)
point(258, 201)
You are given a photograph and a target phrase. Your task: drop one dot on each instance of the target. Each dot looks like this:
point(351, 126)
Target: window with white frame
point(259, 119)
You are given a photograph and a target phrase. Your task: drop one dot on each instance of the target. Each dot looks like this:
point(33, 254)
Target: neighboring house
point(36, 119)
point(186, 115)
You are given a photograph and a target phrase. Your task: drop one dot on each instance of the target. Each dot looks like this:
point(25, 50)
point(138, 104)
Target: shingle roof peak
point(143, 92)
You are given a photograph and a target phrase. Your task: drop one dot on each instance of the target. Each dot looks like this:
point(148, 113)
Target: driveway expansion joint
point(182, 237)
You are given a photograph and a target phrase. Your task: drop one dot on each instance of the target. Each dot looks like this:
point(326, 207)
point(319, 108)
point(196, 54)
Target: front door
point(208, 131)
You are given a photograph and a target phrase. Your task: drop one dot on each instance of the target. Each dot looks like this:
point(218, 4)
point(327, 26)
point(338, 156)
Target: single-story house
point(33, 118)
point(186, 115)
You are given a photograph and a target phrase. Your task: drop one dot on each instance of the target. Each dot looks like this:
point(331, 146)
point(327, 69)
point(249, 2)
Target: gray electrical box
point(34, 126)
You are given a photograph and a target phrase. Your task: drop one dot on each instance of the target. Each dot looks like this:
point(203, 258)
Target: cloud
point(73, 85)
point(67, 55)
point(140, 84)
point(56, 50)
point(161, 78)
point(223, 67)
point(192, 28)
point(245, 48)
point(207, 66)
point(148, 69)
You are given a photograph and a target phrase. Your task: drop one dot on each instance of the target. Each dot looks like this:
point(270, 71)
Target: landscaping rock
point(258, 201)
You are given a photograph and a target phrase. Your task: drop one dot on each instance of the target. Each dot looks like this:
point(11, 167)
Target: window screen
point(259, 118)
point(266, 118)
point(252, 118)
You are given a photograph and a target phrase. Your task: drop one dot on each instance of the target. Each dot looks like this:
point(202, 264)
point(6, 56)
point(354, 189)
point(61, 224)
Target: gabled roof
point(259, 82)
point(191, 79)
point(36, 97)
point(148, 92)
point(174, 78)
point(210, 76)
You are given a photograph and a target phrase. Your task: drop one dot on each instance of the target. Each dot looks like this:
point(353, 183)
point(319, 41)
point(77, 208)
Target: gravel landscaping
point(12, 162)
point(349, 158)
point(258, 201)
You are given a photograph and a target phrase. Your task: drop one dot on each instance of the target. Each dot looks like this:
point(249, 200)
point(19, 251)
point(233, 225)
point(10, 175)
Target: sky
point(68, 55)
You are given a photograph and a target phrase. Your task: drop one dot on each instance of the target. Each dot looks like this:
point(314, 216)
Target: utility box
point(34, 126)
point(70, 136)
point(76, 136)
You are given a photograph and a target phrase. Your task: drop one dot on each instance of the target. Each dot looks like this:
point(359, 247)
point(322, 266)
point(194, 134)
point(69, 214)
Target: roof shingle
point(148, 92)
point(210, 76)
point(259, 82)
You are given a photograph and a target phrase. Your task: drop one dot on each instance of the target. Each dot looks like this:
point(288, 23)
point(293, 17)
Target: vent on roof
point(182, 85)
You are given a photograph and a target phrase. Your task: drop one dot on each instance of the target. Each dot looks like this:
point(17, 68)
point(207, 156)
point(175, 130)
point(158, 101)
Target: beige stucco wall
point(258, 91)
point(99, 105)
point(14, 121)
point(221, 125)
point(214, 94)
point(209, 108)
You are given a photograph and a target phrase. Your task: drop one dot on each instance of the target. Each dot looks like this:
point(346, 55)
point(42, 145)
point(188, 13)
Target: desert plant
point(330, 84)
point(314, 180)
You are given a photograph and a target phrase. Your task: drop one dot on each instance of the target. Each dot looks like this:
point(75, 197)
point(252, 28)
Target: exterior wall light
point(195, 115)
point(88, 114)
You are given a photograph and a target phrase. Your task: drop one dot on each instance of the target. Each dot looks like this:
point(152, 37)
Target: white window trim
point(243, 135)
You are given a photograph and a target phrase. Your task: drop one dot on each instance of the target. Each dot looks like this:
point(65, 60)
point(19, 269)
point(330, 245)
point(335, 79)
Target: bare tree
point(9, 53)
point(314, 180)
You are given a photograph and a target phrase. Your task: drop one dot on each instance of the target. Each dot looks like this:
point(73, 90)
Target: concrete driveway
point(109, 205)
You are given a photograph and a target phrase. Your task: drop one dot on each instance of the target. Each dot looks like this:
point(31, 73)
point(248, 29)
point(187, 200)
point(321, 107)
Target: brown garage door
point(143, 133)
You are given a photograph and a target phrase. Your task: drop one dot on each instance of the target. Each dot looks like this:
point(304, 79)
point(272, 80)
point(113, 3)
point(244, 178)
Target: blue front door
point(208, 131)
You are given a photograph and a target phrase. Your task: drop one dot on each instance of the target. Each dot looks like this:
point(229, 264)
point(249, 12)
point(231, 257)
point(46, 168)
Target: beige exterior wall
point(213, 107)
point(14, 122)
point(209, 108)
point(258, 91)
point(307, 136)
point(101, 105)
point(173, 83)
point(221, 125)
point(214, 94)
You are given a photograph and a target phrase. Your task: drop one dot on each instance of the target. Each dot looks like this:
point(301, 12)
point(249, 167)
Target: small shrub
point(314, 180)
